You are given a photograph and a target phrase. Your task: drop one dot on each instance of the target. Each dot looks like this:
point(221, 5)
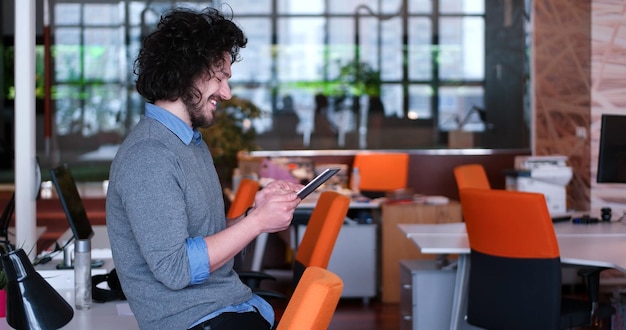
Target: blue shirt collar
point(174, 124)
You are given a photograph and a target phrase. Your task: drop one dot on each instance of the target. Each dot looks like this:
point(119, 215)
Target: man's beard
point(198, 117)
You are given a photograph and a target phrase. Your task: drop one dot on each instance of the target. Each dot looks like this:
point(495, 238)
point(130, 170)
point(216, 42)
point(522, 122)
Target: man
point(172, 245)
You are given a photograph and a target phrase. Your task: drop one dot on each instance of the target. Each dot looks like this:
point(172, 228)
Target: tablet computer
point(316, 182)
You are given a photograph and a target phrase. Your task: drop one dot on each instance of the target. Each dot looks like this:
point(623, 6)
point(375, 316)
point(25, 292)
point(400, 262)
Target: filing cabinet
point(354, 260)
point(426, 294)
point(396, 246)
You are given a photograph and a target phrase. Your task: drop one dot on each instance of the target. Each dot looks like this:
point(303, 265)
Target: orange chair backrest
point(508, 223)
point(244, 197)
point(321, 233)
point(380, 171)
point(471, 176)
point(314, 301)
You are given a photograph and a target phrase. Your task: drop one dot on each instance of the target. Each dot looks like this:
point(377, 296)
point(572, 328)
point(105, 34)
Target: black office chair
point(515, 266)
point(474, 176)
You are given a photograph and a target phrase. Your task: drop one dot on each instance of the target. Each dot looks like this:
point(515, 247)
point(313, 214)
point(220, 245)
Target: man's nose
point(225, 92)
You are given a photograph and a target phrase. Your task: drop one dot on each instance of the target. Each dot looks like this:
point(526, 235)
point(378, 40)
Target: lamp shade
point(31, 302)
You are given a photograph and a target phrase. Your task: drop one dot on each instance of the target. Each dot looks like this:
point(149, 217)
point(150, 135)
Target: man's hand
point(274, 206)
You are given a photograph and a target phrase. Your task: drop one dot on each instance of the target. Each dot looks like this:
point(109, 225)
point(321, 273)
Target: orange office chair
point(515, 265)
point(318, 241)
point(471, 176)
point(313, 302)
point(322, 230)
point(474, 176)
point(381, 172)
point(244, 197)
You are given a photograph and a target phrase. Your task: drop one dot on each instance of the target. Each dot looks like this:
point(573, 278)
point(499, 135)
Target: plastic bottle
point(82, 273)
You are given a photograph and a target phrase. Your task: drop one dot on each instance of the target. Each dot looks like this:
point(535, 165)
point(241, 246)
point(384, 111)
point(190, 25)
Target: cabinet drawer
point(406, 292)
point(406, 322)
point(429, 296)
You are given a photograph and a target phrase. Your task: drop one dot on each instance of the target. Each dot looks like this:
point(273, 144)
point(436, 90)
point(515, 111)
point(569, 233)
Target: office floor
point(354, 314)
point(351, 313)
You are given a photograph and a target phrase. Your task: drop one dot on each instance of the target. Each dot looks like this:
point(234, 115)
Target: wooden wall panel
point(608, 91)
point(561, 79)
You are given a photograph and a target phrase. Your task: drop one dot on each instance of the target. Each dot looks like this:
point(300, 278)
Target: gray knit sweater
point(160, 193)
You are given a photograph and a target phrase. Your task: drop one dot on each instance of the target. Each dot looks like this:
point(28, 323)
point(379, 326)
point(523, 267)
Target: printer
point(548, 175)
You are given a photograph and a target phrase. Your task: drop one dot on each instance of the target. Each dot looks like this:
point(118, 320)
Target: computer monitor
point(72, 203)
point(612, 149)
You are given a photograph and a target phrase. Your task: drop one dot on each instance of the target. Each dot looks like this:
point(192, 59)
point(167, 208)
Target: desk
point(395, 247)
point(61, 279)
point(99, 241)
point(600, 244)
point(307, 204)
point(354, 256)
point(354, 259)
point(101, 316)
point(562, 229)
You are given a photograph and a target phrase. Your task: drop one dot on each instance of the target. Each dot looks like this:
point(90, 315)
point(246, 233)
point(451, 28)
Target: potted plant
point(231, 133)
point(3, 294)
point(360, 79)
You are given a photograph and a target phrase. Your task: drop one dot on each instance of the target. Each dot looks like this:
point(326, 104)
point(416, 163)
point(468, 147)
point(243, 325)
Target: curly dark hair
point(186, 45)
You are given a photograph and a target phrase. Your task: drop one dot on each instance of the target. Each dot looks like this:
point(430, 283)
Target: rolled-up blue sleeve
point(198, 260)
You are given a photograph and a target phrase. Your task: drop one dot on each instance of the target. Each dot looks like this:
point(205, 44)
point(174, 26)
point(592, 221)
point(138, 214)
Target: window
point(90, 93)
point(298, 54)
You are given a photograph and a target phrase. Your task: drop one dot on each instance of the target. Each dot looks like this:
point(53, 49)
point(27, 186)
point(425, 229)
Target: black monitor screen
point(612, 149)
point(71, 201)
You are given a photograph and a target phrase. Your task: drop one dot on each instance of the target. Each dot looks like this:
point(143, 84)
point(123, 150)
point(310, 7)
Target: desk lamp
point(31, 302)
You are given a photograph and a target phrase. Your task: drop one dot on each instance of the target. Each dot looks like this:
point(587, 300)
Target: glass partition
point(353, 74)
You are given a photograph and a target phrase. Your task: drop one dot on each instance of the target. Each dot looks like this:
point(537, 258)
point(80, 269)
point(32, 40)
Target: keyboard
point(561, 218)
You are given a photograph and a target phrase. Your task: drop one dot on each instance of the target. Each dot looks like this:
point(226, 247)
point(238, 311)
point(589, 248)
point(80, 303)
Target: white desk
point(101, 316)
point(562, 229)
point(100, 239)
point(600, 244)
point(64, 278)
point(310, 202)
point(307, 204)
